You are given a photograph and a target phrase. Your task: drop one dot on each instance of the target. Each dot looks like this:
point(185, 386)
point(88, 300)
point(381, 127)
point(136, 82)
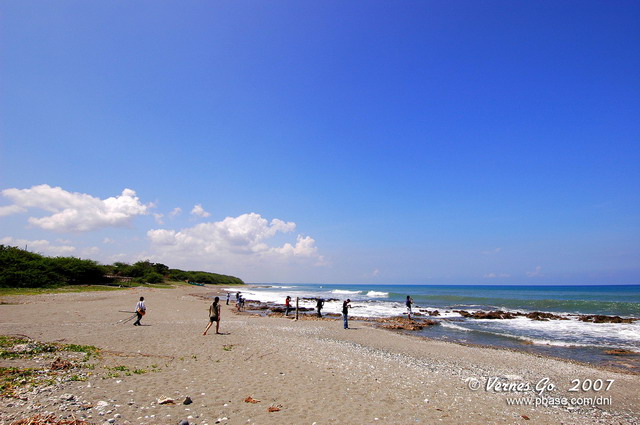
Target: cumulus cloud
point(40, 246)
point(199, 211)
point(234, 240)
point(74, 212)
point(176, 211)
point(11, 209)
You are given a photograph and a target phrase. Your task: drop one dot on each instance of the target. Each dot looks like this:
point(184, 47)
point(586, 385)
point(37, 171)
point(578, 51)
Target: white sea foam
point(345, 292)
point(368, 303)
point(450, 325)
point(376, 294)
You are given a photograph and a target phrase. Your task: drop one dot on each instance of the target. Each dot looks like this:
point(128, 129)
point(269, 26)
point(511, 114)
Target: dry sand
point(313, 371)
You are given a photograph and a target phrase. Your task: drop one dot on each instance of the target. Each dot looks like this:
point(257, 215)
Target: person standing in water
point(345, 312)
point(409, 304)
point(319, 305)
point(214, 315)
point(141, 309)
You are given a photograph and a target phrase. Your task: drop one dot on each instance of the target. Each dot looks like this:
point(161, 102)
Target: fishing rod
point(130, 318)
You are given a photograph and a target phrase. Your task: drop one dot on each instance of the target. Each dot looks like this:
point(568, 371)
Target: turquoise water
point(570, 338)
point(621, 300)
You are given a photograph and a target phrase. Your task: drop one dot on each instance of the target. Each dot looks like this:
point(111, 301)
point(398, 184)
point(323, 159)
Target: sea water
point(570, 338)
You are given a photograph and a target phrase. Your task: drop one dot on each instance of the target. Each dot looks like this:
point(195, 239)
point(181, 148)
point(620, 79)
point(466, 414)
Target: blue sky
point(492, 142)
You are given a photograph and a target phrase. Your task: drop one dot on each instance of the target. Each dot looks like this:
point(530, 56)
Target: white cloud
point(232, 243)
point(90, 251)
point(496, 275)
point(536, 273)
point(158, 218)
point(43, 247)
point(199, 211)
point(11, 209)
point(75, 212)
point(176, 211)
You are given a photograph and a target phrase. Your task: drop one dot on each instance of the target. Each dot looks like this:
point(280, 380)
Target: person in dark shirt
point(345, 312)
point(214, 315)
point(319, 305)
point(409, 304)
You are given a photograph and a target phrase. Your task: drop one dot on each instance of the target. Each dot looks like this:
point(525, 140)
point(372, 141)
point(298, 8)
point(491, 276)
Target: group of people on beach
point(346, 305)
point(215, 309)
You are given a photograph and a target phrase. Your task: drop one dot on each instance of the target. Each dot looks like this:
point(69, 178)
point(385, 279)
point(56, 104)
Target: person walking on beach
point(141, 309)
point(319, 305)
point(228, 296)
point(345, 312)
point(287, 305)
point(409, 304)
point(214, 315)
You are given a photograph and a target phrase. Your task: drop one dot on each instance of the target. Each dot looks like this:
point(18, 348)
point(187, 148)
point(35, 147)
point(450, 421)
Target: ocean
point(572, 338)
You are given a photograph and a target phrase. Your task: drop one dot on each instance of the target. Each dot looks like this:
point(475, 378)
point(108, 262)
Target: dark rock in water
point(400, 323)
point(542, 316)
point(291, 310)
point(326, 300)
point(434, 313)
point(498, 314)
point(599, 318)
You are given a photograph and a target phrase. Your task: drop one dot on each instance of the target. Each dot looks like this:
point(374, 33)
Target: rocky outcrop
point(400, 323)
point(542, 316)
point(599, 318)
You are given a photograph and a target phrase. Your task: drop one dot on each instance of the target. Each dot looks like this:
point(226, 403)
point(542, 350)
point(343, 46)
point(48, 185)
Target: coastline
point(311, 370)
point(581, 324)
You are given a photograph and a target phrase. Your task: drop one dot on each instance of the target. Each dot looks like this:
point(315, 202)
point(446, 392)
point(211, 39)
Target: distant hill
point(24, 269)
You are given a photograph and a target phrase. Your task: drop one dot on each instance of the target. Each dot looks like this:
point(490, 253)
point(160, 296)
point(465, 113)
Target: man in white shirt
point(140, 311)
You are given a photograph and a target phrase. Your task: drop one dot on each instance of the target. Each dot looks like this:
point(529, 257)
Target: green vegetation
point(15, 347)
point(15, 379)
point(56, 290)
point(12, 378)
point(22, 269)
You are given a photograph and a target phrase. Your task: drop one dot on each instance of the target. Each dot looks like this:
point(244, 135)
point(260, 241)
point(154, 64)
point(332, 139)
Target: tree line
point(23, 269)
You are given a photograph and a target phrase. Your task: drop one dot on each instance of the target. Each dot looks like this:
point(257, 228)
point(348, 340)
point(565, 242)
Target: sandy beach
point(276, 370)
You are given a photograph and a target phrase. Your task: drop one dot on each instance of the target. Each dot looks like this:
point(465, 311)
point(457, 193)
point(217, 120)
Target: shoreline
point(605, 340)
point(628, 362)
point(311, 370)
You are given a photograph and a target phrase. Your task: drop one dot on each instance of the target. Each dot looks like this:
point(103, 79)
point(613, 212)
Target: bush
point(24, 269)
